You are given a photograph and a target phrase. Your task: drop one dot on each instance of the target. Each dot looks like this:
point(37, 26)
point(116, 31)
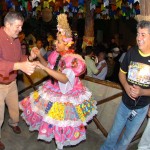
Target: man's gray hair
point(144, 24)
point(12, 16)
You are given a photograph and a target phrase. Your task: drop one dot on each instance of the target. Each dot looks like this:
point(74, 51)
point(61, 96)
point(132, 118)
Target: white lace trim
point(45, 138)
point(66, 123)
point(63, 123)
point(75, 100)
point(66, 87)
point(61, 145)
point(69, 143)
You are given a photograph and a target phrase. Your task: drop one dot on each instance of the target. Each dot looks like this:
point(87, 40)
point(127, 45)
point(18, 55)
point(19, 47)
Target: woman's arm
point(55, 74)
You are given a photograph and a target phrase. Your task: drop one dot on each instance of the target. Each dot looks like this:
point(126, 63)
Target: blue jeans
point(113, 142)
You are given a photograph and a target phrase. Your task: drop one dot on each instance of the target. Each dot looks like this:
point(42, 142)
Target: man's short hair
point(144, 24)
point(11, 16)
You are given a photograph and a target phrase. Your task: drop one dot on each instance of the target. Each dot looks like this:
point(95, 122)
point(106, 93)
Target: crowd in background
point(106, 56)
point(102, 59)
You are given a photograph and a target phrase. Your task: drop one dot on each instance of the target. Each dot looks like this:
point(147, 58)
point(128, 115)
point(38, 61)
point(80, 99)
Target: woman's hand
point(35, 52)
point(39, 65)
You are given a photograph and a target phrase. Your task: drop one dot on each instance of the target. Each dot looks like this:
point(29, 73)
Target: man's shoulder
point(133, 51)
point(1, 30)
point(87, 58)
point(2, 35)
point(134, 48)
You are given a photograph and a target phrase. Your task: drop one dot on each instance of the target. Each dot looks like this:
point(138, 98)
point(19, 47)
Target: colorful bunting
point(118, 4)
point(80, 2)
point(9, 3)
point(106, 3)
point(131, 1)
point(94, 2)
point(64, 1)
point(103, 8)
point(35, 3)
point(136, 1)
point(46, 4)
point(51, 1)
point(92, 6)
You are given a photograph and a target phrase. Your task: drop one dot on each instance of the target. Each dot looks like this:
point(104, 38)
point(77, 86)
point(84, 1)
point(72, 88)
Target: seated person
point(110, 65)
point(101, 61)
point(24, 44)
point(39, 45)
point(90, 63)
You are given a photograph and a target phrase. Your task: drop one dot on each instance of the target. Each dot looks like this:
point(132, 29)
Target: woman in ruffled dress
point(62, 106)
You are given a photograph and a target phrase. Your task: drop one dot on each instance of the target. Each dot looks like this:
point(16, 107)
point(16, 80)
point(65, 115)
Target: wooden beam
point(109, 98)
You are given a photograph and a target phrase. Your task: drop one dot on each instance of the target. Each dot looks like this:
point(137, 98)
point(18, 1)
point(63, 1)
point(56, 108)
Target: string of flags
point(104, 9)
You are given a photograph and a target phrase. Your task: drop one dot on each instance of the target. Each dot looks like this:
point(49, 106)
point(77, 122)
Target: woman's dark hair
point(88, 50)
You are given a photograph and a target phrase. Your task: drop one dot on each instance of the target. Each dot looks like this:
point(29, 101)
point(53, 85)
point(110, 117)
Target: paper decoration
point(106, 11)
point(130, 5)
point(102, 7)
point(131, 1)
point(51, 1)
point(9, 3)
point(35, 3)
point(136, 1)
point(70, 14)
point(29, 6)
point(87, 41)
point(80, 2)
point(118, 3)
point(74, 3)
point(98, 10)
point(74, 9)
point(106, 3)
point(113, 7)
point(45, 4)
point(92, 6)
point(81, 9)
point(66, 8)
point(94, 2)
point(64, 1)
point(98, 16)
point(26, 5)
point(38, 8)
point(117, 8)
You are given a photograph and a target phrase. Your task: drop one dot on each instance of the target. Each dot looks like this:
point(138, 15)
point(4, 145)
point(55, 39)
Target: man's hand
point(26, 67)
point(135, 91)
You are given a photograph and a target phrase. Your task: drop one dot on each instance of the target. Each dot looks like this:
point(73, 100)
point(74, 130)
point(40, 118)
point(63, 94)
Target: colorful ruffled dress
point(59, 110)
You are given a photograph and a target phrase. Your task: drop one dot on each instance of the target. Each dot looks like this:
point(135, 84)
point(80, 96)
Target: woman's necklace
point(71, 51)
